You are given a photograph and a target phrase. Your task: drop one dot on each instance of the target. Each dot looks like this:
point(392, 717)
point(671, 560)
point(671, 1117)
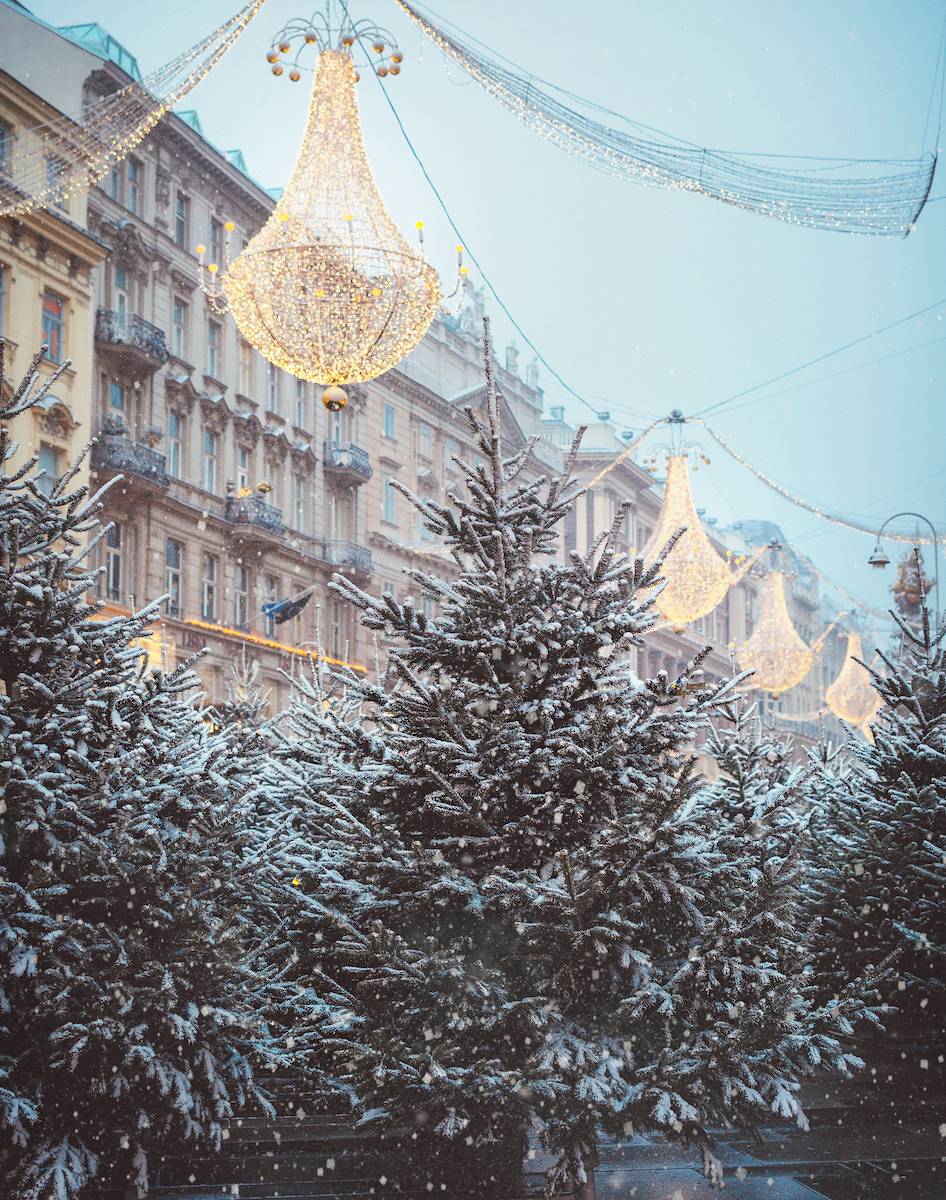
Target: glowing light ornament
point(329, 289)
point(851, 696)
point(697, 576)
point(775, 652)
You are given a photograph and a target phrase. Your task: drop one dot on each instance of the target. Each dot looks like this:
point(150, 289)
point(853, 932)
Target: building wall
point(46, 264)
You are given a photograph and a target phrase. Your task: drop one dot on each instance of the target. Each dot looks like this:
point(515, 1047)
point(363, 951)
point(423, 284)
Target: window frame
point(209, 577)
point(174, 578)
point(54, 326)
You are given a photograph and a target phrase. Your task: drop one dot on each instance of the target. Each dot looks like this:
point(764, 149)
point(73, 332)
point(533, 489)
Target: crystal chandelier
point(697, 576)
point(329, 289)
point(851, 696)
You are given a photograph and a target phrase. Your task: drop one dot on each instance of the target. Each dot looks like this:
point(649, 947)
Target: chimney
point(557, 412)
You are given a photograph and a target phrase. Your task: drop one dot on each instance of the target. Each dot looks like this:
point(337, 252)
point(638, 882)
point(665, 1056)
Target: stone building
point(46, 296)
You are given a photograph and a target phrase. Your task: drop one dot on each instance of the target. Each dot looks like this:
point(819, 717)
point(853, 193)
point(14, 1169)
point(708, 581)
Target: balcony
point(347, 556)
point(136, 341)
point(114, 453)
point(255, 518)
point(347, 464)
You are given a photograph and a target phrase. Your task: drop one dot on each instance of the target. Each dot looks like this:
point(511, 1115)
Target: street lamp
point(879, 559)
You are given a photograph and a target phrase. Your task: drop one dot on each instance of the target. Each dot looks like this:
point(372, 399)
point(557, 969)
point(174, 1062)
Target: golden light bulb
point(201, 249)
point(229, 226)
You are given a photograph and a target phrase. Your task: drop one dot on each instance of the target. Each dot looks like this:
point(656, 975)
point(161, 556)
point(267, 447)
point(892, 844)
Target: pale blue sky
point(647, 299)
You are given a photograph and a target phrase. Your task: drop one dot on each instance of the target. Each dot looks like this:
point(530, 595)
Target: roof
point(92, 36)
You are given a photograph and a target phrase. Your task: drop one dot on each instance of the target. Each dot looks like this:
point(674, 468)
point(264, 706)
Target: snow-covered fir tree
point(754, 1021)
point(501, 876)
point(879, 885)
point(125, 1015)
point(247, 701)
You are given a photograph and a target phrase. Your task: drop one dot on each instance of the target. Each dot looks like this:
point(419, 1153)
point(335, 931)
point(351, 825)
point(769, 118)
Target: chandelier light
point(329, 289)
point(851, 696)
point(697, 576)
point(775, 653)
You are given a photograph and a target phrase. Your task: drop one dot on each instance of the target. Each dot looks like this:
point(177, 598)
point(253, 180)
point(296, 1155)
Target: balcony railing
point(117, 454)
point(348, 463)
point(256, 513)
point(132, 334)
point(349, 555)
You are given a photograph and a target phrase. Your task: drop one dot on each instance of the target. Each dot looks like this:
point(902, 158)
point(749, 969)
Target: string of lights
point(799, 502)
point(886, 202)
point(51, 162)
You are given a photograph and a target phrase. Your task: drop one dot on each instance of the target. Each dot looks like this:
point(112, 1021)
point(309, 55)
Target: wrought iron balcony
point(116, 454)
point(254, 513)
point(348, 464)
point(349, 556)
point(131, 336)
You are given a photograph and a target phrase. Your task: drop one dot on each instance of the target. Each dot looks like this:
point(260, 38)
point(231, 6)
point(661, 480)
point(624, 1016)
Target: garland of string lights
point(844, 522)
point(52, 162)
point(823, 196)
point(329, 289)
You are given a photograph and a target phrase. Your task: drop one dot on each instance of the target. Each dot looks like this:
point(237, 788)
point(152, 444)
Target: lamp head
point(878, 559)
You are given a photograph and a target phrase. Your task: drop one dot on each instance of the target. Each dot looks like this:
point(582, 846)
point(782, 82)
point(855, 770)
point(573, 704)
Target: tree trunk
point(587, 1190)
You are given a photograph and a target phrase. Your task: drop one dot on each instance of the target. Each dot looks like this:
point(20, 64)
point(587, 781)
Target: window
point(120, 297)
point(214, 338)
point(246, 369)
point(116, 396)
point(173, 576)
point(113, 563)
point(389, 502)
point(211, 451)
point(336, 629)
point(241, 596)
point(425, 441)
point(182, 220)
point(50, 462)
point(243, 468)
point(53, 325)
point(271, 592)
point(208, 587)
point(298, 501)
point(179, 327)
point(175, 443)
point(390, 421)
point(451, 450)
point(300, 404)
point(272, 388)
point(3, 295)
point(6, 146)
point(56, 169)
point(216, 241)
point(134, 178)
point(113, 183)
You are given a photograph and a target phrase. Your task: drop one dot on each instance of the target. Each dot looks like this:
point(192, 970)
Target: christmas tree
point(125, 1017)
point(501, 876)
point(879, 886)
point(247, 702)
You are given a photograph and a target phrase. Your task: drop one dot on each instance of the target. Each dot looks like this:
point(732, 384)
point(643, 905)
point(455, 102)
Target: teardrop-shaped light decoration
point(329, 289)
point(851, 696)
point(697, 576)
point(775, 653)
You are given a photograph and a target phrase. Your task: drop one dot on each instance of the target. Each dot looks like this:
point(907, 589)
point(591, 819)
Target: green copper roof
point(93, 37)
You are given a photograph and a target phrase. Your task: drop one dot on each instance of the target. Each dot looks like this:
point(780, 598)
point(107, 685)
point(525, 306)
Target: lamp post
point(879, 559)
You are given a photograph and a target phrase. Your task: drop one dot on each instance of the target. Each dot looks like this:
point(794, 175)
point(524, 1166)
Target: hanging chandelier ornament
point(851, 696)
point(329, 289)
point(775, 653)
point(697, 576)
